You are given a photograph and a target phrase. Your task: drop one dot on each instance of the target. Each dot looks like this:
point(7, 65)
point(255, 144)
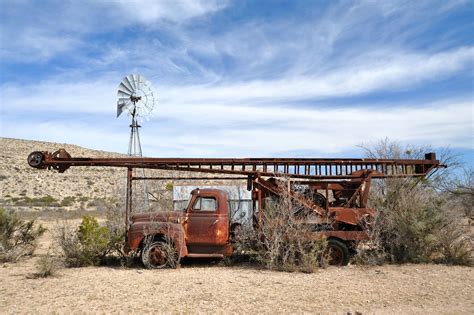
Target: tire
point(338, 252)
point(158, 255)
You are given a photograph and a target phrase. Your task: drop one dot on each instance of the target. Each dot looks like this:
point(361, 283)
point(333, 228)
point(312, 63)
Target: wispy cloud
point(252, 131)
point(369, 74)
point(40, 32)
point(151, 11)
point(363, 75)
point(231, 80)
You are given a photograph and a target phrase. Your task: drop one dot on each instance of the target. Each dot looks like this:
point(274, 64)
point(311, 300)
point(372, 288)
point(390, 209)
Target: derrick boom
point(302, 168)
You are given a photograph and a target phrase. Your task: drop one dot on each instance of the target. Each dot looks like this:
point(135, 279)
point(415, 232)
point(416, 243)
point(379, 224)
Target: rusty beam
point(189, 178)
point(61, 160)
point(128, 206)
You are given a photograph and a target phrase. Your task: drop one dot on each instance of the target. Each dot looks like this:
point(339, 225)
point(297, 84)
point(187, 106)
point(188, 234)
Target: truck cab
point(200, 230)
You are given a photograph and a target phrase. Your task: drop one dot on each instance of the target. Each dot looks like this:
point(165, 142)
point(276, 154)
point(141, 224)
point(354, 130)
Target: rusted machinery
point(338, 192)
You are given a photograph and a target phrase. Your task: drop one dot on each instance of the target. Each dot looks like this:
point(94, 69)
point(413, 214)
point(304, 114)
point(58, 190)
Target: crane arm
point(304, 168)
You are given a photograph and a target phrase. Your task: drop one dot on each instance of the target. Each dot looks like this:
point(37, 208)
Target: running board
point(205, 255)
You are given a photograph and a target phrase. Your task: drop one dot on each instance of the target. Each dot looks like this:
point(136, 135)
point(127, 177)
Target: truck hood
point(161, 216)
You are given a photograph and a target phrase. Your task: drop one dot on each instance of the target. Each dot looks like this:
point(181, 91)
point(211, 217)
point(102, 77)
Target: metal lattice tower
point(136, 96)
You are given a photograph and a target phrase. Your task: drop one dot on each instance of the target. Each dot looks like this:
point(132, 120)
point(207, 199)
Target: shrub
point(48, 199)
point(282, 242)
point(46, 266)
point(408, 221)
point(169, 186)
point(18, 238)
point(454, 241)
point(85, 246)
point(415, 220)
point(67, 201)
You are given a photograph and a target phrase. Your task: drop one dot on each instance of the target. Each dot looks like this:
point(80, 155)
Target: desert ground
point(197, 286)
point(205, 288)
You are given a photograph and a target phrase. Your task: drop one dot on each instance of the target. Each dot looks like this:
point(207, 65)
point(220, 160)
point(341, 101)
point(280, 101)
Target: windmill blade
point(139, 81)
point(125, 87)
point(127, 84)
point(123, 93)
point(135, 80)
point(131, 81)
point(120, 108)
point(123, 100)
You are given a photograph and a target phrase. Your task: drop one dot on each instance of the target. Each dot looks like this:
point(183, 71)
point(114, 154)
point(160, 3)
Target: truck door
point(206, 225)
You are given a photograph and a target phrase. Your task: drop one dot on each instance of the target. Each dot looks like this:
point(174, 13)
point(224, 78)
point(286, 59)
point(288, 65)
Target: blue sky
point(241, 78)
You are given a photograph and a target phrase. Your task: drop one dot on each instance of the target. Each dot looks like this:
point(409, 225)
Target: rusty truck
point(333, 191)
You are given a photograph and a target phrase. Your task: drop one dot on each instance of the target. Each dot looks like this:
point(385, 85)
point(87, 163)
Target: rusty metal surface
point(205, 233)
point(141, 229)
point(281, 167)
point(353, 216)
point(207, 227)
point(191, 228)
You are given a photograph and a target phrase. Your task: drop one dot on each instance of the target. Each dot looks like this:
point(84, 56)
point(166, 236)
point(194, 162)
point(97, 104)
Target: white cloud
point(400, 71)
point(37, 32)
point(369, 74)
point(253, 131)
point(56, 98)
point(150, 11)
point(33, 45)
point(273, 129)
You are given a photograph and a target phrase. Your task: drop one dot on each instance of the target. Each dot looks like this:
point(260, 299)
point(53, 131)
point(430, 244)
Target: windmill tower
point(135, 96)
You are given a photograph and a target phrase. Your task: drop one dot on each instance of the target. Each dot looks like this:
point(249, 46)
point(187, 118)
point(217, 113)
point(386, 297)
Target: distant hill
point(19, 180)
point(25, 188)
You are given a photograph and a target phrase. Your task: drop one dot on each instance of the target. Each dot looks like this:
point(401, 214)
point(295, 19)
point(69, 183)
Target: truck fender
point(140, 231)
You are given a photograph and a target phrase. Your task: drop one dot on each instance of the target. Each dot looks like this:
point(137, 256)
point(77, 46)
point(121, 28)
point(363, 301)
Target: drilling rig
point(336, 202)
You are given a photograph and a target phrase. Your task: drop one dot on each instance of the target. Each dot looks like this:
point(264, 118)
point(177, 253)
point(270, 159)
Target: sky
point(241, 78)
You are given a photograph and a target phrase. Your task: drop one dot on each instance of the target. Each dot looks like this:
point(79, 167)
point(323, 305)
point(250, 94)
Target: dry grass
point(46, 266)
point(18, 238)
point(417, 220)
point(282, 243)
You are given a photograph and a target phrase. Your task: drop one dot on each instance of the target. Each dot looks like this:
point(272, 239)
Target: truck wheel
point(338, 252)
point(156, 255)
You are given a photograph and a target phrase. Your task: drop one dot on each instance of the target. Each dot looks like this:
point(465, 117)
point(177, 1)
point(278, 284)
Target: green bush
point(416, 220)
point(415, 224)
point(67, 201)
point(47, 199)
point(408, 220)
point(169, 186)
point(18, 238)
point(87, 245)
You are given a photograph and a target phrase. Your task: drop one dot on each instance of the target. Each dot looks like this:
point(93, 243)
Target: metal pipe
point(128, 206)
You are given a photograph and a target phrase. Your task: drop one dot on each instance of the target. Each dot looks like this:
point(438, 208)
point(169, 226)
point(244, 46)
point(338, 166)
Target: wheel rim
point(157, 256)
point(336, 256)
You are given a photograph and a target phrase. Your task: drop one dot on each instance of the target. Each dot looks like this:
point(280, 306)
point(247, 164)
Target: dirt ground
point(388, 289)
point(209, 287)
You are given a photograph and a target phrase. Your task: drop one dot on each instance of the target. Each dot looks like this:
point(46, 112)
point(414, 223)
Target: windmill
point(135, 96)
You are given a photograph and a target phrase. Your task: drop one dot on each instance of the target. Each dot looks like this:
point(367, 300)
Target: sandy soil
point(210, 287)
point(389, 289)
